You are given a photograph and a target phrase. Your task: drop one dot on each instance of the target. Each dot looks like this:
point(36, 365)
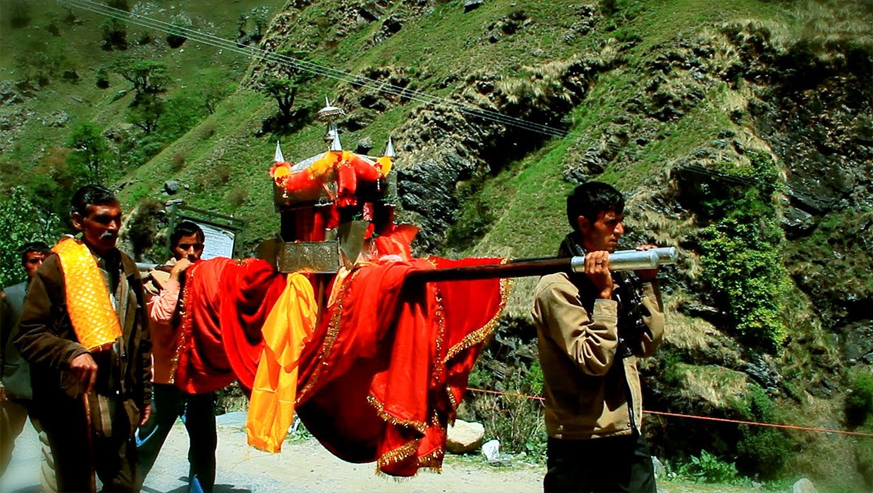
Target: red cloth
point(383, 375)
point(225, 304)
point(396, 240)
point(202, 365)
point(249, 289)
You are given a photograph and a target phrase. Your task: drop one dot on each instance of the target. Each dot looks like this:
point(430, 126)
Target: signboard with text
point(223, 234)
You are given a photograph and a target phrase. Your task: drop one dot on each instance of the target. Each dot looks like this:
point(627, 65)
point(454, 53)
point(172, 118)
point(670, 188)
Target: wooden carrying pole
point(622, 260)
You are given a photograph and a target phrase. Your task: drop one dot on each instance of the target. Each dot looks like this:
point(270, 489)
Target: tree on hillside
point(241, 22)
point(90, 155)
point(149, 77)
point(20, 15)
point(119, 4)
point(146, 113)
point(211, 87)
point(177, 36)
point(284, 84)
point(114, 34)
point(260, 16)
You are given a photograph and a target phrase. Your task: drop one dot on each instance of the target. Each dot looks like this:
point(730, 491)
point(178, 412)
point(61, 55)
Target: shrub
point(761, 451)
point(516, 421)
point(710, 469)
point(859, 402)
point(742, 253)
point(747, 276)
point(177, 162)
point(238, 195)
point(114, 34)
point(206, 130)
point(222, 173)
point(101, 77)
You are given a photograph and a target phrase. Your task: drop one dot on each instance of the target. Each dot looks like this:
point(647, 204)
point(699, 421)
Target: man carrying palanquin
point(169, 401)
point(85, 333)
point(591, 329)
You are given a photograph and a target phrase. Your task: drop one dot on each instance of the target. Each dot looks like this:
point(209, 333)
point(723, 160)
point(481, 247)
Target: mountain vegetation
point(740, 131)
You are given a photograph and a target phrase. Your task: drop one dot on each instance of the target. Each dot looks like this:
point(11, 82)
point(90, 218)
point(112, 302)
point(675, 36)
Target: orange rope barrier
point(707, 418)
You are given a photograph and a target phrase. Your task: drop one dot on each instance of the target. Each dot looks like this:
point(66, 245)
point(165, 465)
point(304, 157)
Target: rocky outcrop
point(445, 144)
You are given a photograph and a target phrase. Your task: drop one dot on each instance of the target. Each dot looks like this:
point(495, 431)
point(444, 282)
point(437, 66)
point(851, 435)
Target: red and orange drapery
point(383, 372)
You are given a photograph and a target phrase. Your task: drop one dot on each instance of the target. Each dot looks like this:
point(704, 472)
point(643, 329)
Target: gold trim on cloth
point(88, 302)
point(186, 324)
point(478, 336)
point(403, 452)
point(419, 426)
point(329, 338)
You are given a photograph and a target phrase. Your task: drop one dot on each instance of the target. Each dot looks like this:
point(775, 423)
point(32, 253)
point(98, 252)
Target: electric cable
point(314, 68)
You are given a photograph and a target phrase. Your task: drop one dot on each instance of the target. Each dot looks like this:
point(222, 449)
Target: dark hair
point(186, 228)
point(590, 199)
point(90, 195)
point(33, 246)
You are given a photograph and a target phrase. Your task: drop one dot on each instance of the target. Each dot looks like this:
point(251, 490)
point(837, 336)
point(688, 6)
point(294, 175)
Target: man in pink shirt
point(196, 410)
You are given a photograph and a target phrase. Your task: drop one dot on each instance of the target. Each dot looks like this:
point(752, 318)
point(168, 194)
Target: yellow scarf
point(88, 301)
point(289, 325)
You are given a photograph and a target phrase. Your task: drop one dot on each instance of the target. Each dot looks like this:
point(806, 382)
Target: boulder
point(803, 486)
point(464, 437)
point(472, 4)
point(171, 187)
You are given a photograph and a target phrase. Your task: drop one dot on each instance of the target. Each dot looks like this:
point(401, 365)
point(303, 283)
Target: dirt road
point(302, 466)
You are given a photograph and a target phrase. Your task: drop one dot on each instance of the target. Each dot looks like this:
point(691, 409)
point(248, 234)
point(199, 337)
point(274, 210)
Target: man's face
point(32, 261)
point(99, 227)
point(189, 247)
point(602, 234)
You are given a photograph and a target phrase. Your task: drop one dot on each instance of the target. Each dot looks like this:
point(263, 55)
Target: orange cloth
point(288, 327)
point(88, 302)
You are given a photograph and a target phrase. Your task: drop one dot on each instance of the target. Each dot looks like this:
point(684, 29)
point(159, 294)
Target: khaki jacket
point(47, 340)
point(590, 390)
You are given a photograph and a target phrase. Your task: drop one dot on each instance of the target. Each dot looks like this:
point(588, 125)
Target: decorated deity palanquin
point(330, 323)
point(332, 205)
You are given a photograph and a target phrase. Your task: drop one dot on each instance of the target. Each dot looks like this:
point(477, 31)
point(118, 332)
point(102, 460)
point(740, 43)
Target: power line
point(314, 68)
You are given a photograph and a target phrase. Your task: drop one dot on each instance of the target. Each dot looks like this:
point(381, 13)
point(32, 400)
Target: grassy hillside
point(672, 101)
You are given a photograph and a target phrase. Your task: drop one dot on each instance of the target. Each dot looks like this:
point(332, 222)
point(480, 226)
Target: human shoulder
point(51, 268)
point(552, 284)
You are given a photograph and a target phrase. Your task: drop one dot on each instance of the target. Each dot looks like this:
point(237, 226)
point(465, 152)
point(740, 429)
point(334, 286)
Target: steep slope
point(741, 133)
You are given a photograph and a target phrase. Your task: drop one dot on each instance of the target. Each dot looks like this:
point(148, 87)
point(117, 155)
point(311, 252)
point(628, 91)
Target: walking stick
point(88, 429)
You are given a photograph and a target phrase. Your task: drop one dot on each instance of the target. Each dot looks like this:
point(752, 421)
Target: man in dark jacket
point(15, 392)
point(84, 331)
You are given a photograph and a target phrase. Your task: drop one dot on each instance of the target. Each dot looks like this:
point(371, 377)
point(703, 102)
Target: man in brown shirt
point(89, 400)
point(591, 329)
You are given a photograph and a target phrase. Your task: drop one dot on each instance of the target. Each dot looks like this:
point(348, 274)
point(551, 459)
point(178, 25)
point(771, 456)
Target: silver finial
point(389, 149)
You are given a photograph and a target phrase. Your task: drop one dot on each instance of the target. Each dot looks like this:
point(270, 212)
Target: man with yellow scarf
point(85, 333)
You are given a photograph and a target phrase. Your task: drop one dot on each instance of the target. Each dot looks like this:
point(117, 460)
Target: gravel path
point(302, 466)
